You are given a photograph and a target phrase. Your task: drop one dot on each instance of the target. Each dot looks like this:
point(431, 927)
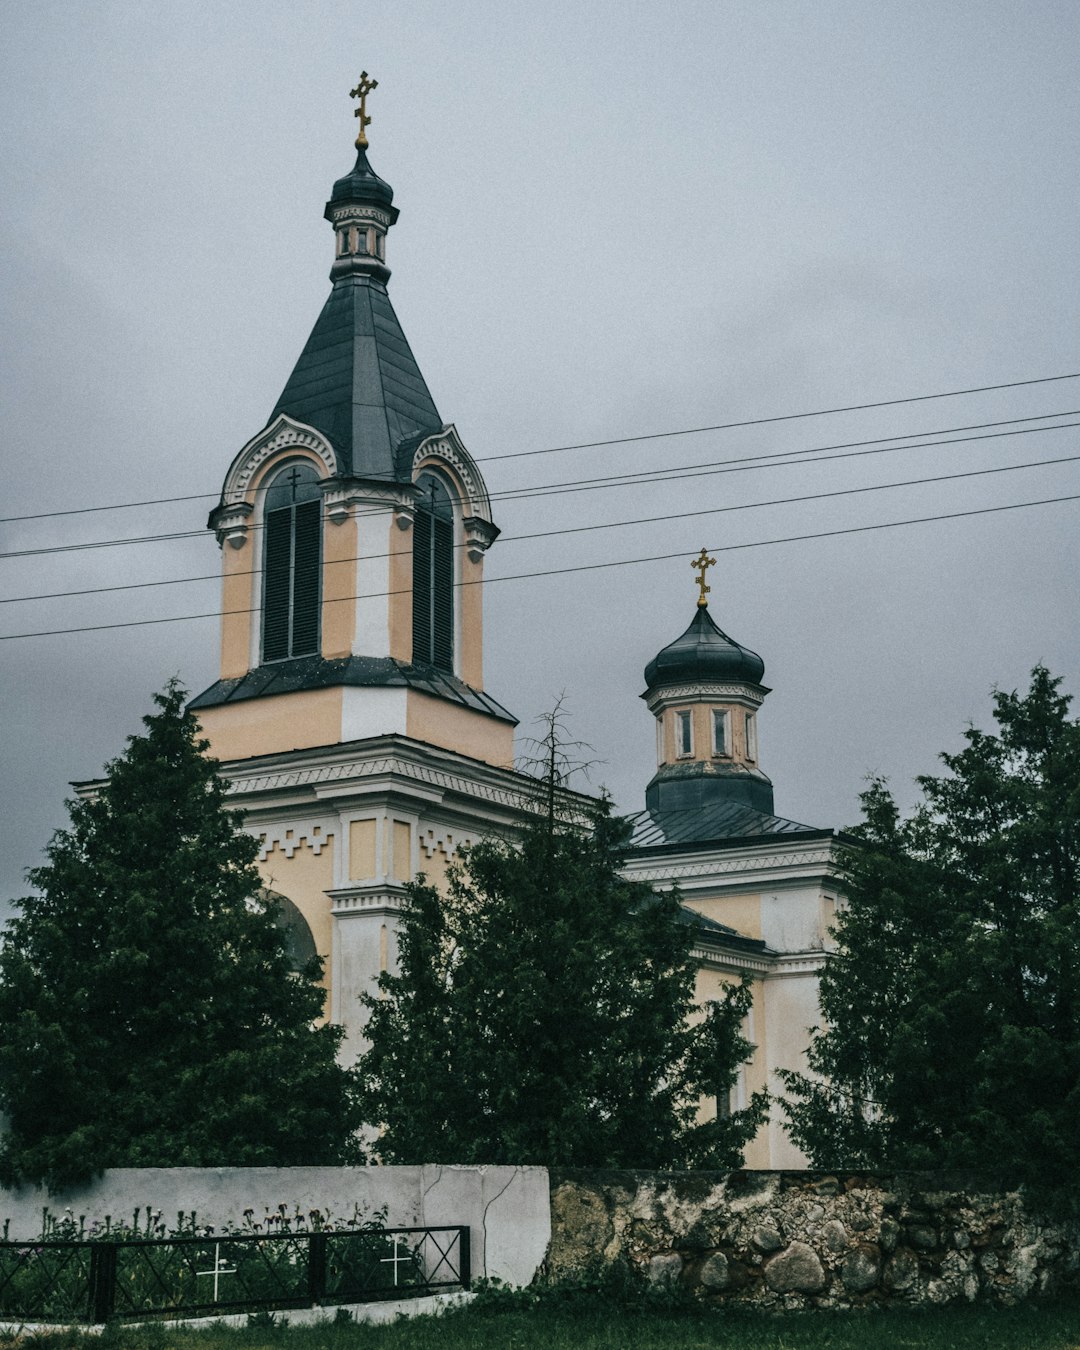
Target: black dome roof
point(362, 185)
point(704, 652)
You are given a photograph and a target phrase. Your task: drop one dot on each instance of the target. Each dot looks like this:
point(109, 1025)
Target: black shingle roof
point(357, 380)
point(722, 822)
point(318, 672)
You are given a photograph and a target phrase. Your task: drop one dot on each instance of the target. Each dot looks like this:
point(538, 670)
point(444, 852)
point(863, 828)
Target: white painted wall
point(507, 1209)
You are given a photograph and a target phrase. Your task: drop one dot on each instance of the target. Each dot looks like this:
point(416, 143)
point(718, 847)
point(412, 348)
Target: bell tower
point(353, 529)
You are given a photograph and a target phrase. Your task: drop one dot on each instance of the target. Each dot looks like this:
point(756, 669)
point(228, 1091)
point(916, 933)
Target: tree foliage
point(148, 1015)
point(542, 1014)
point(952, 1005)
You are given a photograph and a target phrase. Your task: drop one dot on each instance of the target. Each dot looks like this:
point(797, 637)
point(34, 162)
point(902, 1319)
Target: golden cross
point(361, 92)
point(699, 564)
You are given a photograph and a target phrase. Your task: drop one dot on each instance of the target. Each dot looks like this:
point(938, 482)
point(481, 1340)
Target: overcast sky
point(616, 219)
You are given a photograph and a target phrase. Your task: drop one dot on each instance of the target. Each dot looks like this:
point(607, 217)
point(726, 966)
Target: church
point(351, 716)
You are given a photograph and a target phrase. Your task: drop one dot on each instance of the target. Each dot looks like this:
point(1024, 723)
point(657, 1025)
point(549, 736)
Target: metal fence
point(72, 1281)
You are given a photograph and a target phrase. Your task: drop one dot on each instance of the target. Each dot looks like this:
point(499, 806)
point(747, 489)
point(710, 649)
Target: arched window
point(433, 575)
point(292, 544)
point(299, 942)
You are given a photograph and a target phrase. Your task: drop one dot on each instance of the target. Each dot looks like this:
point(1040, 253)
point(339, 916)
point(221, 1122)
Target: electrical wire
point(617, 440)
point(577, 529)
point(741, 464)
point(561, 571)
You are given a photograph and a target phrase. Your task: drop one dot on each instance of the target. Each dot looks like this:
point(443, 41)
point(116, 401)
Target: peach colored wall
point(304, 879)
point(401, 579)
point(264, 726)
point(339, 588)
point(741, 912)
point(710, 984)
point(471, 600)
point(362, 849)
point(237, 601)
point(455, 728)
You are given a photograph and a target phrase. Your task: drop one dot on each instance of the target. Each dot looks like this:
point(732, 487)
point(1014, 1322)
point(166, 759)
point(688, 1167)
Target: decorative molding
point(350, 901)
point(283, 433)
point(480, 534)
point(353, 213)
point(380, 768)
point(289, 838)
point(231, 524)
point(433, 840)
point(798, 964)
point(727, 866)
point(733, 962)
point(736, 691)
point(343, 496)
point(446, 448)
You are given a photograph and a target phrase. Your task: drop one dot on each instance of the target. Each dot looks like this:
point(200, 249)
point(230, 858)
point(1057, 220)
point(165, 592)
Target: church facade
point(351, 716)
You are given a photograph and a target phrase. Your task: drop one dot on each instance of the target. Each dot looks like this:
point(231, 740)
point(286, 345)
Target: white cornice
point(358, 901)
point(413, 768)
point(798, 964)
point(733, 962)
point(748, 695)
point(762, 860)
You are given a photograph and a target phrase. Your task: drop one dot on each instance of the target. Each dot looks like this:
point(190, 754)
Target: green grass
point(593, 1324)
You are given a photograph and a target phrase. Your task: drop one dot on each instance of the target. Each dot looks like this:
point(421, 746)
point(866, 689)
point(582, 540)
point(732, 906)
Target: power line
point(580, 567)
point(784, 417)
point(579, 529)
point(740, 464)
point(617, 440)
point(775, 460)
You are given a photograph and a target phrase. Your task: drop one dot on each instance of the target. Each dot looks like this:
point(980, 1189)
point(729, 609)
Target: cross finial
point(361, 92)
point(699, 564)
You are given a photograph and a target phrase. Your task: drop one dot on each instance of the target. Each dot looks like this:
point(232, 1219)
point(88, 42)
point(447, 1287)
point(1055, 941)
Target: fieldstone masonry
point(806, 1239)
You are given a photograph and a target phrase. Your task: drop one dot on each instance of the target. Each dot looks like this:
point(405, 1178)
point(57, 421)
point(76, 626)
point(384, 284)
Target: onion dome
point(363, 184)
point(704, 652)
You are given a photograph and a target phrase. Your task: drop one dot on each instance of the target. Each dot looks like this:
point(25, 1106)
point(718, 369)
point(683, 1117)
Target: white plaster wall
point(372, 592)
point(791, 919)
point(372, 712)
point(357, 963)
point(791, 1009)
point(507, 1209)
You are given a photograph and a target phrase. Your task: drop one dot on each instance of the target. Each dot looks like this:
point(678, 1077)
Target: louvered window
point(292, 548)
point(433, 575)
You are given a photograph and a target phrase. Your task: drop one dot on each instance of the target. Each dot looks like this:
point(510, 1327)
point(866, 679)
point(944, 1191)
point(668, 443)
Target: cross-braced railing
point(130, 1279)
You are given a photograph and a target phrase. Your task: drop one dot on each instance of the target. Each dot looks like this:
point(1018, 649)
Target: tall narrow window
point(292, 550)
point(720, 732)
point(684, 734)
point(751, 736)
point(433, 575)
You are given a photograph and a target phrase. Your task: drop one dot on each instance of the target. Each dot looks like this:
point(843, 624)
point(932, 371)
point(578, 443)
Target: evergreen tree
point(951, 1008)
point(544, 1013)
point(148, 1015)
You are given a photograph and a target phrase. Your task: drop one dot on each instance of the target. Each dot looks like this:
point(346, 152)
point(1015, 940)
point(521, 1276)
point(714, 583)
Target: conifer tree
point(951, 1009)
point(148, 1014)
point(543, 1012)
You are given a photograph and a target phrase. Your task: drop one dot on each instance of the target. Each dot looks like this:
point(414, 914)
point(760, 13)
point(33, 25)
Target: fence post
point(465, 1257)
point(317, 1267)
point(102, 1281)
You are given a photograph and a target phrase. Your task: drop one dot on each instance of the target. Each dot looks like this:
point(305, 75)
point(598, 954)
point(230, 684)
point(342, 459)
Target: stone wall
point(807, 1239)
